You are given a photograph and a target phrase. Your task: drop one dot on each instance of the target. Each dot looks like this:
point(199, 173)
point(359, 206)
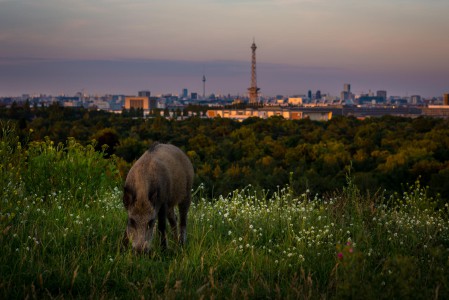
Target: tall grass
point(62, 239)
point(71, 167)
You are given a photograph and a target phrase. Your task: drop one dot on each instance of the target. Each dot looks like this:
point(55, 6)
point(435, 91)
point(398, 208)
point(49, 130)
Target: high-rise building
point(382, 94)
point(346, 94)
point(253, 90)
point(309, 94)
point(185, 93)
point(318, 95)
point(446, 99)
point(144, 94)
point(415, 99)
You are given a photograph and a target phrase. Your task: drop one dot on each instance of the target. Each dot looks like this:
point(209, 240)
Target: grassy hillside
point(62, 220)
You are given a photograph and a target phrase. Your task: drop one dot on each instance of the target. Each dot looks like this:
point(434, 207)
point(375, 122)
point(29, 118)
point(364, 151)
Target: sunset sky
point(122, 46)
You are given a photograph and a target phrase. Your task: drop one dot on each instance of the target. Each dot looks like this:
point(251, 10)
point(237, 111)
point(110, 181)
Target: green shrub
point(77, 170)
point(42, 169)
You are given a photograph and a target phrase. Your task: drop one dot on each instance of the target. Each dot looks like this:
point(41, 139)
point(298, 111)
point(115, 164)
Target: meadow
point(62, 221)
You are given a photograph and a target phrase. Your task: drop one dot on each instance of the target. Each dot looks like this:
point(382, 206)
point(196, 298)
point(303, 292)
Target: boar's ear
point(128, 197)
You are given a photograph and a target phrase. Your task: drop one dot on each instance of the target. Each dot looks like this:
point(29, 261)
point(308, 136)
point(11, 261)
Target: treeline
point(379, 153)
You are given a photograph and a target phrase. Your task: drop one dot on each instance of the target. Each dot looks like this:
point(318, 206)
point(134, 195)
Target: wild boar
point(158, 181)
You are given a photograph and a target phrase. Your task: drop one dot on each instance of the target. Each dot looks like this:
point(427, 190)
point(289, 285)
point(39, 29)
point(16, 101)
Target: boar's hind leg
point(183, 210)
point(173, 222)
point(161, 224)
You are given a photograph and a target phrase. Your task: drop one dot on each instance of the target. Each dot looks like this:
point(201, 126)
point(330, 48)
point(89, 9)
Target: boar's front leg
point(173, 222)
point(183, 210)
point(161, 224)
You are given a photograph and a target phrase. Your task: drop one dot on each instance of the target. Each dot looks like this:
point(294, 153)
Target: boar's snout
point(142, 249)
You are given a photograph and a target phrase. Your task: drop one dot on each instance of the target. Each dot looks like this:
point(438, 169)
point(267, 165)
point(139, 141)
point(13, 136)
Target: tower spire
point(204, 86)
point(253, 90)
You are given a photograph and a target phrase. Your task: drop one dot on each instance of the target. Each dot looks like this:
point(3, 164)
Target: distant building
point(280, 100)
point(279, 97)
point(137, 102)
point(153, 102)
point(439, 111)
point(237, 101)
point(185, 93)
point(144, 94)
point(267, 112)
point(72, 104)
point(382, 94)
point(100, 104)
point(369, 99)
point(194, 96)
point(415, 99)
point(295, 100)
point(346, 94)
point(117, 102)
point(398, 100)
point(317, 115)
point(318, 95)
point(242, 114)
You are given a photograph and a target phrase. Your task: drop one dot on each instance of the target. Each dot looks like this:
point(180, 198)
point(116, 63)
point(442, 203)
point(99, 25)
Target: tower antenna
point(204, 86)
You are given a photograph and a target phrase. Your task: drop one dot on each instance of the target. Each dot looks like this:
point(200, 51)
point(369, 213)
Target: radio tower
point(204, 86)
point(253, 90)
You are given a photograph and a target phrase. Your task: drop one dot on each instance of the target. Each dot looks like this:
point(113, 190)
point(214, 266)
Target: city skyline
point(115, 46)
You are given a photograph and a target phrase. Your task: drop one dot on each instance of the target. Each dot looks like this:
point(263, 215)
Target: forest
point(382, 155)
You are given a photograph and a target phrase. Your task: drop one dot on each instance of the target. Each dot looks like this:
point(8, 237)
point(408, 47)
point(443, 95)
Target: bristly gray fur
point(159, 180)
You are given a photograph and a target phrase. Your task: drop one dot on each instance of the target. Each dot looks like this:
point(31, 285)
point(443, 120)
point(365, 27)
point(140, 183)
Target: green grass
point(63, 240)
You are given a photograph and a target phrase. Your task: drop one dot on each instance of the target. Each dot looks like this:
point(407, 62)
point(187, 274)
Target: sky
point(123, 46)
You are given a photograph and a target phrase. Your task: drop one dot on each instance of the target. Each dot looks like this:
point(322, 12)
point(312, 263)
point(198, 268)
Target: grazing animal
point(158, 181)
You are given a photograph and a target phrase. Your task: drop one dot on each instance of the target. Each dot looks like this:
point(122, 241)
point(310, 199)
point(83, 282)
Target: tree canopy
point(380, 153)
